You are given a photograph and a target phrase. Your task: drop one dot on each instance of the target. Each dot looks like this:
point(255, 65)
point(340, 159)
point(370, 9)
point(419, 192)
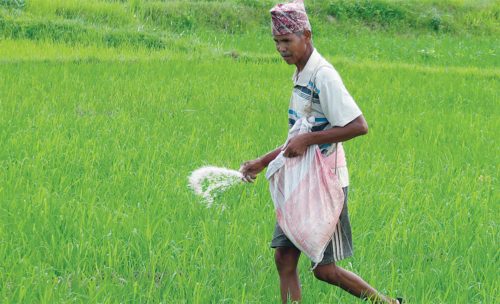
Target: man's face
point(292, 47)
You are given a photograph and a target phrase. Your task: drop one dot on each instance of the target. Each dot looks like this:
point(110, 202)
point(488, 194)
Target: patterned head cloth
point(289, 18)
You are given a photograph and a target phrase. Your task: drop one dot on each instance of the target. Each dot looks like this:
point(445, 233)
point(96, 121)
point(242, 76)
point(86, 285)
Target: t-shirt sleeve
point(337, 104)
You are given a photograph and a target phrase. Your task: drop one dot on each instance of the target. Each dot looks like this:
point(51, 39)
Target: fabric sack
point(307, 196)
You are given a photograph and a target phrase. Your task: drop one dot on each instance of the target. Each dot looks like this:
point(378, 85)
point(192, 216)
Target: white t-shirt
point(332, 105)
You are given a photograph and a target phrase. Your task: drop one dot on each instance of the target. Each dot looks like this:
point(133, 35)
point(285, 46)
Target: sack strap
point(308, 108)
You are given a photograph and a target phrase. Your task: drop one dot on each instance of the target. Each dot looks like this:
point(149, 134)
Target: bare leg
point(350, 282)
point(286, 259)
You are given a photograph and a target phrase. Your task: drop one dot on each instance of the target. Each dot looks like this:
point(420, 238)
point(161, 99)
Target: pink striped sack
point(307, 195)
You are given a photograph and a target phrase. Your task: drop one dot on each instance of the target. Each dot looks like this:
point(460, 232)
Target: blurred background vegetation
point(156, 24)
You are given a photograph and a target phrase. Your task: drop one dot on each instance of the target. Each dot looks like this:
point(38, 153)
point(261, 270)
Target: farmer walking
point(337, 119)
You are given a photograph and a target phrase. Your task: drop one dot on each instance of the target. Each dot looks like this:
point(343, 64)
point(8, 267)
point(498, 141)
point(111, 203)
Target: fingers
point(289, 153)
point(248, 178)
point(243, 166)
point(292, 151)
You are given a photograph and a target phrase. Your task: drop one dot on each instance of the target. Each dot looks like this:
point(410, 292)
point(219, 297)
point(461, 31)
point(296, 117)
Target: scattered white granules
point(208, 181)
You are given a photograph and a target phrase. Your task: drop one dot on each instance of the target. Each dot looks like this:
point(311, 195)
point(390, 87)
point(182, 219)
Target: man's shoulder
point(321, 60)
point(327, 73)
point(325, 69)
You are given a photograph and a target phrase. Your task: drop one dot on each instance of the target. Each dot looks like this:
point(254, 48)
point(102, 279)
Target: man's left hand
point(296, 146)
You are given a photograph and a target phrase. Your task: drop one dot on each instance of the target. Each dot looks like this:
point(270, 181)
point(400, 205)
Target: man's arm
point(298, 145)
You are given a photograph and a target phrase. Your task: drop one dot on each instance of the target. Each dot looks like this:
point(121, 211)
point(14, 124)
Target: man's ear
point(308, 35)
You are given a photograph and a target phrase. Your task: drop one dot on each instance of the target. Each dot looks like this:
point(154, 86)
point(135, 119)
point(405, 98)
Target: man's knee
point(327, 273)
point(286, 259)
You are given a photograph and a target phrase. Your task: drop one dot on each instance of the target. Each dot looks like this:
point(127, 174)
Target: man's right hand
point(250, 169)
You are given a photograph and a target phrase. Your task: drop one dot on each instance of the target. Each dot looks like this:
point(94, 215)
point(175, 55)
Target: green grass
point(98, 138)
point(96, 208)
point(245, 15)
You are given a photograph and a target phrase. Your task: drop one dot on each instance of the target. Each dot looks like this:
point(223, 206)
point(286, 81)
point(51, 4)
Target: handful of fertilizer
point(208, 181)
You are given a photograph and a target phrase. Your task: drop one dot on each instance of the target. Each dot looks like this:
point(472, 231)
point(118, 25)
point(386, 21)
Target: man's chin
point(288, 60)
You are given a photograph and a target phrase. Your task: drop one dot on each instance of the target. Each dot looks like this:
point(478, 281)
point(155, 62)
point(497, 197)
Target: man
point(337, 119)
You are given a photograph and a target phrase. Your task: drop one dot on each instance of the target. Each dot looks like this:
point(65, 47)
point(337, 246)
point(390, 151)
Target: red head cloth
point(289, 18)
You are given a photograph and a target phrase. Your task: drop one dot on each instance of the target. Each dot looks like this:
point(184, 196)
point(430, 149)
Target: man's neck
point(302, 62)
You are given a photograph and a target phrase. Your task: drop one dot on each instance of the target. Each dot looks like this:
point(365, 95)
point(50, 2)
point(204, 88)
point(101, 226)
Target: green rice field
point(97, 141)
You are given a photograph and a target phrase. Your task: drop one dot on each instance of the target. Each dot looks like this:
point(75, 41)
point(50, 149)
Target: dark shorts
point(339, 248)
